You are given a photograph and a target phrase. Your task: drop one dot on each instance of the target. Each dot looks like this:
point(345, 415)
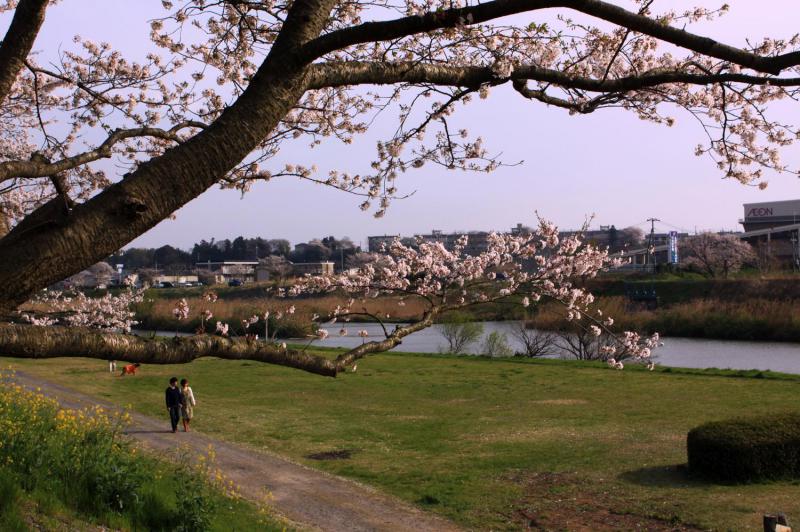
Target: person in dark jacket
point(174, 402)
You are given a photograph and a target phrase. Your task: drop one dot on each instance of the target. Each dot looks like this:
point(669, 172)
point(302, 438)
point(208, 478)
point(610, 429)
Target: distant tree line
point(169, 258)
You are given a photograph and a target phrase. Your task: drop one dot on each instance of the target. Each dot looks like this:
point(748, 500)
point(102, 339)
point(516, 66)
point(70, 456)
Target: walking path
point(309, 499)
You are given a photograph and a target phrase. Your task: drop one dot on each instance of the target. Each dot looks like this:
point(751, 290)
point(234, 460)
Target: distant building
point(477, 241)
point(176, 280)
point(229, 270)
point(263, 272)
point(772, 229)
point(375, 244)
point(770, 214)
point(312, 268)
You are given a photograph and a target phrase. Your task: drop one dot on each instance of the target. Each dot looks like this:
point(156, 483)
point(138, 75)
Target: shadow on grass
point(339, 454)
point(671, 476)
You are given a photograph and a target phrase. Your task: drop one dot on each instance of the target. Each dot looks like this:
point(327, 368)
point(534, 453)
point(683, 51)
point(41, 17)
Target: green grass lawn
point(488, 443)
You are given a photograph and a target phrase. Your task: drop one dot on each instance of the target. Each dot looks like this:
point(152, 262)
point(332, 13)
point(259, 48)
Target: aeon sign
point(758, 212)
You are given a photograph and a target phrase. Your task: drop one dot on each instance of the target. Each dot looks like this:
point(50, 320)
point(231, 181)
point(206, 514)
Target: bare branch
point(391, 341)
point(37, 168)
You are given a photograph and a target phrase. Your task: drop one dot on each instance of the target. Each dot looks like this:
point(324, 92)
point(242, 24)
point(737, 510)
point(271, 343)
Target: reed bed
point(157, 314)
point(750, 319)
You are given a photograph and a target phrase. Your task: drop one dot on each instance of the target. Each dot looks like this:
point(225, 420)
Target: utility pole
point(651, 244)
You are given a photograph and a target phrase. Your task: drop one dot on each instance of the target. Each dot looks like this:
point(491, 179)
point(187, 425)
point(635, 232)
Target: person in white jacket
point(187, 408)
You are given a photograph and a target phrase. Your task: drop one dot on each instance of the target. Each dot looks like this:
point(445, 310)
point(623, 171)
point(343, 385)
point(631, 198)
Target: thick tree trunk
point(44, 250)
point(17, 44)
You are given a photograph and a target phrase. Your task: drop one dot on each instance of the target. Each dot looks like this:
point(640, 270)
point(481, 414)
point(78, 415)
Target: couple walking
point(180, 403)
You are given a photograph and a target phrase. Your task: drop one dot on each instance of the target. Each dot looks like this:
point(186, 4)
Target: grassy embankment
point(741, 308)
point(750, 319)
point(63, 469)
point(500, 444)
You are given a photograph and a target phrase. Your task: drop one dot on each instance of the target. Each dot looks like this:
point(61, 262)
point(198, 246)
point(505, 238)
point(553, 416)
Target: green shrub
point(746, 450)
point(81, 459)
point(8, 491)
point(460, 332)
point(10, 519)
point(496, 345)
point(194, 496)
point(155, 513)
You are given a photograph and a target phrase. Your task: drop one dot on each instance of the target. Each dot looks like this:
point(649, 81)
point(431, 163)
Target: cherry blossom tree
point(233, 82)
point(716, 255)
point(443, 280)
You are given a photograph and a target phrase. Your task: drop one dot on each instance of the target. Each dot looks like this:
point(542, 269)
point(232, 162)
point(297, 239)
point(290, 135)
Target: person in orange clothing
point(130, 369)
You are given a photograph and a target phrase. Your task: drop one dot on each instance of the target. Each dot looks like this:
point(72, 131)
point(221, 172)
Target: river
point(679, 352)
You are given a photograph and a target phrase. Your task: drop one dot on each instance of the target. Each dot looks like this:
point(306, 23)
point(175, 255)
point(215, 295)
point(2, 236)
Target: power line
point(651, 245)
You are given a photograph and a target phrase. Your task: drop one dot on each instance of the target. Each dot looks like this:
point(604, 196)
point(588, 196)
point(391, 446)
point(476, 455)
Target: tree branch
point(37, 168)
point(403, 27)
point(392, 340)
point(702, 45)
point(165, 183)
point(29, 341)
point(338, 74)
point(450, 18)
point(17, 44)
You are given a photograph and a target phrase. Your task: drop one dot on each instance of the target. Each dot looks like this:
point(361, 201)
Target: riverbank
point(673, 289)
point(490, 443)
point(746, 308)
point(747, 319)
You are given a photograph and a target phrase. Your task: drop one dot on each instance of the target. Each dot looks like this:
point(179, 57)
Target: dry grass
point(157, 314)
point(232, 308)
point(750, 319)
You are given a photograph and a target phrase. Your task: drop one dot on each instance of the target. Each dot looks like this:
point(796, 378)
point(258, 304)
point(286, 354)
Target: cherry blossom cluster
point(182, 311)
point(107, 312)
point(520, 268)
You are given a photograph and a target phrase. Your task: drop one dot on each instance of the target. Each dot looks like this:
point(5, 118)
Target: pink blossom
point(181, 311)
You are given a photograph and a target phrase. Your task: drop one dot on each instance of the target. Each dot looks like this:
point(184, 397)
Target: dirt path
point(310, 499)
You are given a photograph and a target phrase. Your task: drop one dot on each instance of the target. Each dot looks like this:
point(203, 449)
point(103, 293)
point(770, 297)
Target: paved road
point(309, 499)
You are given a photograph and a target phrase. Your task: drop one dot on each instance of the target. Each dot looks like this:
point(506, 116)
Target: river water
point(679, 352)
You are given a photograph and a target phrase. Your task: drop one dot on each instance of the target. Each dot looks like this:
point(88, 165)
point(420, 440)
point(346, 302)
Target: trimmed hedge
point(746, 449)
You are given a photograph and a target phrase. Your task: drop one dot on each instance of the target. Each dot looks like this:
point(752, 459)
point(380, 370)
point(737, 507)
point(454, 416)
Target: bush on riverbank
point(79, 459)
point(674, 289)
point(747, 450)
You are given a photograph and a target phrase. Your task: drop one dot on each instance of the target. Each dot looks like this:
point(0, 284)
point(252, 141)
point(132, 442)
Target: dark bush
point(746, 449)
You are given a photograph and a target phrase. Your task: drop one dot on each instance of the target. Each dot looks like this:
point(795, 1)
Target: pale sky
point(609, 164)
